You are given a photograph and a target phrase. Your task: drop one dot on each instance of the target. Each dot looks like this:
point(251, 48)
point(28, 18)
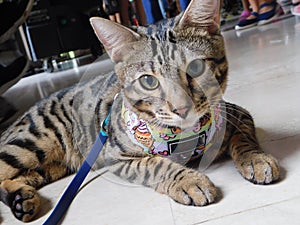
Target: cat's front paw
point(193, 188)
point(259, 168)
point(23, 200)
point(25, 203)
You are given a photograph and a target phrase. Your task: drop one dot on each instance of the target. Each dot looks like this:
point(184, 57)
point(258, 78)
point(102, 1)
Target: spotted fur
point(51, 140)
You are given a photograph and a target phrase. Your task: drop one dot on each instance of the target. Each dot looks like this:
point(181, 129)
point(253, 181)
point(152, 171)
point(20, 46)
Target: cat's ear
point(202, 13)
point(113, 36)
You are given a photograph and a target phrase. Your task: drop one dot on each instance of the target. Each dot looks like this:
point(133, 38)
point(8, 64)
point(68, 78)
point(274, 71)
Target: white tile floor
point(264, 78)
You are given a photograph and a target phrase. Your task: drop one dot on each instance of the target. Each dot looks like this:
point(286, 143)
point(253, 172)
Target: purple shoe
point(244, 15)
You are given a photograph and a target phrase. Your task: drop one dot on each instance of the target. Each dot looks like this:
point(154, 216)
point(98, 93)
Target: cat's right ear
point(113, 36)
point(202, 13)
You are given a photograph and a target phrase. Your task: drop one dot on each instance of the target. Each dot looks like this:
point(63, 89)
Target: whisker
point(235, 117)
point(223, 106)
point(234, 109)
point(245, 136)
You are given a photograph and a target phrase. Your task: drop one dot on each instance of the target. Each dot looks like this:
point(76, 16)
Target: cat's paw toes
point(259, 168)
point(25, 203)
point(193, 189)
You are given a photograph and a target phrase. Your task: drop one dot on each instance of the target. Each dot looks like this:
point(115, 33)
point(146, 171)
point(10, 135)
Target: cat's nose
point(182, 112)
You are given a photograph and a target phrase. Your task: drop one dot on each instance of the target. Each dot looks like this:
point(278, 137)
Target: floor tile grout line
point(247, 210)
point(172, 212)
point(279, 139)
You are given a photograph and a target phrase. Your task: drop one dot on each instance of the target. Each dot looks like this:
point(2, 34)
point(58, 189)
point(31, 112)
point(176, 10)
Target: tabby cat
point(169, 78)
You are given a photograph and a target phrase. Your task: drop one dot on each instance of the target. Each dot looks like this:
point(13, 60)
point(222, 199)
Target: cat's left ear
point(202, 13)
point(113, 36)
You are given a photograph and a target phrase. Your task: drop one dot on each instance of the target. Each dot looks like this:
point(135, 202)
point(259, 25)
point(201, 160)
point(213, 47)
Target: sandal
point(243, 24)
point(244, 15)
point(296, 9)
point(270, 15)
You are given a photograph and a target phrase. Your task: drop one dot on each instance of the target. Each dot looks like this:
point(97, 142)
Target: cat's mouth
point(191, 119)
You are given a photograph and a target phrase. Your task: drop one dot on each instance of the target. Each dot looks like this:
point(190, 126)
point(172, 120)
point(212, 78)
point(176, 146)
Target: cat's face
point(171, 77)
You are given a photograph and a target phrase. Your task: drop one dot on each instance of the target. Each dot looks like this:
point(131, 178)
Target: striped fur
point(51, 140)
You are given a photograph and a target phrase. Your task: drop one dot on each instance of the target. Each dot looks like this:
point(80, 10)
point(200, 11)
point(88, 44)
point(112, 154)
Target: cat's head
point(173, 72)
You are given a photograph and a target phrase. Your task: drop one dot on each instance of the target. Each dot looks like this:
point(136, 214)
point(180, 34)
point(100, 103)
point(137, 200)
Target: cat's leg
point(184, 185)
point(251, 161)
point(20, 192)
point(22, 199)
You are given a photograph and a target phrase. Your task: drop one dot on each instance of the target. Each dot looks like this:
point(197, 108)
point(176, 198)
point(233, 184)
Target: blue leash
point(71, 191)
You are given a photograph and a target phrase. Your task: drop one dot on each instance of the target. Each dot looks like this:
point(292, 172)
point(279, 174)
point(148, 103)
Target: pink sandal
point(296, 9)
point(244, 15)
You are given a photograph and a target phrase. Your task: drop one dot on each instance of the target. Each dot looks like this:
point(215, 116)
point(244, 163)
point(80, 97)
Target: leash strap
point(71, 191)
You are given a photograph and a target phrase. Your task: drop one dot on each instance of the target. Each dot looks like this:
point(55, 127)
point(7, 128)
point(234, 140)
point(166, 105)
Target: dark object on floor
point(56, 27)
point(12, 73)
point(12, 14)
point(6, 110)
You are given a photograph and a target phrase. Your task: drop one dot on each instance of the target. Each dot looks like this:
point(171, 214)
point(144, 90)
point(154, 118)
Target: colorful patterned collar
point(179, 145)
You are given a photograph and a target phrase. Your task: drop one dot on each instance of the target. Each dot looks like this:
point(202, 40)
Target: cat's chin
point(188, 124)
point(184, 123)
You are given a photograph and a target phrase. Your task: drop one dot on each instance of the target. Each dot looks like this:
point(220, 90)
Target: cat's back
point(64, 115)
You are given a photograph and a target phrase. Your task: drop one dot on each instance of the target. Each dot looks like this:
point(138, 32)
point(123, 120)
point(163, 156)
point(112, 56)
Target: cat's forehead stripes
point(176, 48)
point(159, 31)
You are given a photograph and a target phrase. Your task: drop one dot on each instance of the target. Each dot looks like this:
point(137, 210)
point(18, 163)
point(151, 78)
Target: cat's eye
point(195, 68)
point(149, 82)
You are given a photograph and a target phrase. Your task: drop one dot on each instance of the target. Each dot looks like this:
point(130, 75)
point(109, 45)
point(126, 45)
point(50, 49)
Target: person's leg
point(254, 5)
point(251, 20)
point(148, 11)
point(118, 18)
point(246, 10)
point(162, 7)
point(255, 8)
point(296, 7)
point(246, 5)
point(184, 4)
point(112, 18)
point(156, 10)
